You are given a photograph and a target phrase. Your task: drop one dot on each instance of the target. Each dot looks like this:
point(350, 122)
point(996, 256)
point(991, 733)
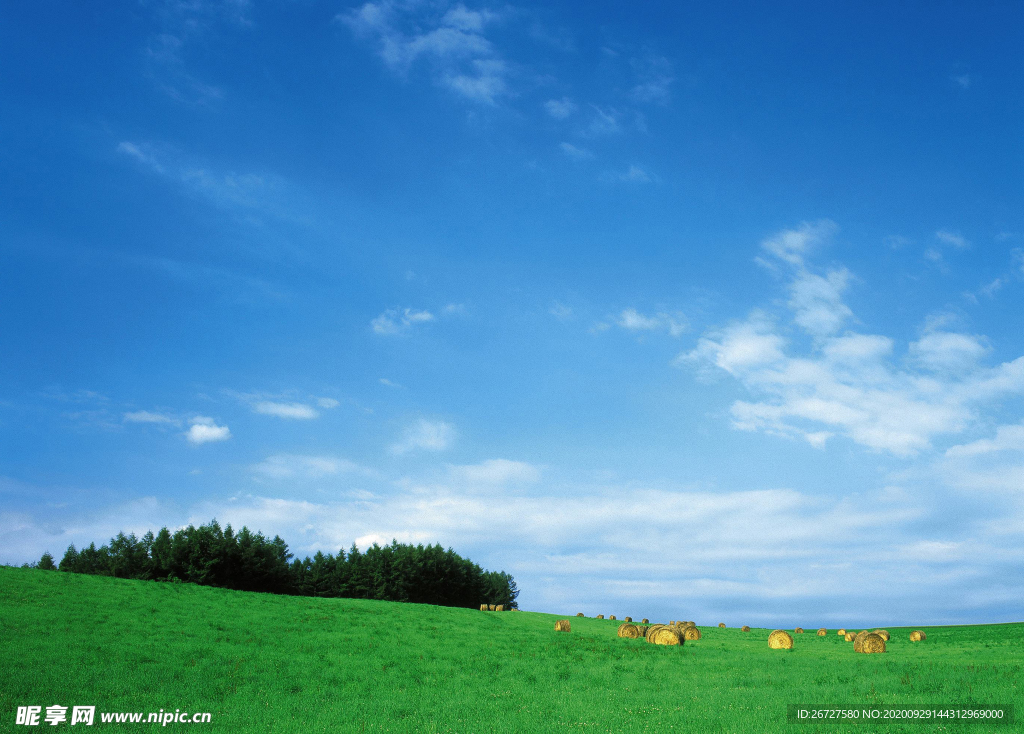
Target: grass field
point(263, 663)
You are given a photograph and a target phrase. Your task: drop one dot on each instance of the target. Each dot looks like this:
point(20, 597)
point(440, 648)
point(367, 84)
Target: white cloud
point(738, 348)
point(206, 430)
point(580, 154)
point(389, 383)
point(953, 239)
point(604, 122)
point(962, 80)
point(654, 76)
point(633, 320)
point(292, 411)
point(1007, 438)
point(848, 385)
point(817, 301)
point(560, 311)
point(393, 321)
point(496, 472)
point(451, 43)
point(327, 403)
point(426, 435)
point(792, 245)
point(560, 108)
point(298, 466)
point(635, 174)
point(144, 416)
point(947, 351)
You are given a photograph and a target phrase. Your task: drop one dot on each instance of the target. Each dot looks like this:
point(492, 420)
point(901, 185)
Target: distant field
point(263, 663)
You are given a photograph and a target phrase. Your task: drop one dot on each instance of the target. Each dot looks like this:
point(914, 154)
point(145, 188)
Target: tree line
point(247, 561)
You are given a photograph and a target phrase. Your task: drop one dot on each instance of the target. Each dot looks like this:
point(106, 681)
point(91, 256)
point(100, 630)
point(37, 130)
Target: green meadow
point(265, 663)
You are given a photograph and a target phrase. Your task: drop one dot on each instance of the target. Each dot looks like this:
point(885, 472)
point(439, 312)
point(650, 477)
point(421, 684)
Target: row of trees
point(248, 561)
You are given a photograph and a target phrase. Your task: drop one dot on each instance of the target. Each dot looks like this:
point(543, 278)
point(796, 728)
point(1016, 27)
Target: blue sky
point(705, 311)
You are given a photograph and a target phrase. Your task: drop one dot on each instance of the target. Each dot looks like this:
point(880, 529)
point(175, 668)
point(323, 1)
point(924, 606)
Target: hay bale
point(629, 619)
point(869, 643)
point(822, 632)
point(490, 607)
point(780, 640)
point(799, 630)
point(579, 614)
point(689, 624)
point(644, 620)
point(562, 625)
point(918, 636)
point(841, 632)
point(611, 616)
point(483, 607)
point(629, 631)
point(858, 639)
point(721, 625)
point(884, 634)
point(643, 630)
point(652, 629)
point(499, 608)
point(665, 636)
point(691, 633)
point(849, 637)
point(599, 616)
point(744, 628)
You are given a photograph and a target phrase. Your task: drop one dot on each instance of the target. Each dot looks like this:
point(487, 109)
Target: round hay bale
point(652, 629)
point(822, 632)
point(611, 616)
point(579, 614)
point(644, 620)
point(799, 630)
point(643, 630)
point(744, 628)
point(884, 634)
point(599, 616)
point(490, 607)
point(858, 639)
point(691, 633)
point(629, 631)
point(499, 607)
point(689, 624)
point(870, 643)
point(629, 619)
point(918, 636)
point(841, 632)
point(562, 625)
point(483, 607)
point(780, 640)
point(849, 637)
point(666, 636)
point(721, 625)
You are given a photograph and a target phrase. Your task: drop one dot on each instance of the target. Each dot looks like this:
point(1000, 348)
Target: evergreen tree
point(46, 562)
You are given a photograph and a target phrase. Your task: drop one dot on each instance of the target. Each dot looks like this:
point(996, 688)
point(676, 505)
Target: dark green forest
point(247, 561)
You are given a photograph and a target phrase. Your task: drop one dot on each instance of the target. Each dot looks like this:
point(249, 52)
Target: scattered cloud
point(450, 40)
point(389, 383)
point(953, 239)
point(300, 466)
point(496, 472)
point(291, 411)
point(206, 430)
point(327, 403)
point(654, 77)
point(632, 320)
point(560, 109)
point(579, 154)
point(145, 416)
point(425, 435)
point(1007, 438)
point(560, 311)
point(393, 321)
point(961, 80)
point(848, 384)
point(605, 121)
